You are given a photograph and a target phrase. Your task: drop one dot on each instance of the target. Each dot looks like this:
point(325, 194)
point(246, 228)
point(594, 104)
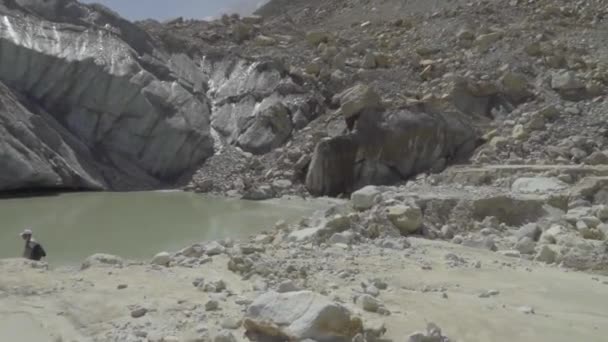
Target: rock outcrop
point(257, 105)
point(387, 147)
point(89, 102)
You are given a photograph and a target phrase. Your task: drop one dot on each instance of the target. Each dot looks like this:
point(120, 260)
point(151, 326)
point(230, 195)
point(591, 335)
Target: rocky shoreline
point(369, 269)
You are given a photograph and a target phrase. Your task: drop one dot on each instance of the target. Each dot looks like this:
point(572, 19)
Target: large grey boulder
point(98, 106)
point(388, 147)
point(296, 316)
point(331, 171)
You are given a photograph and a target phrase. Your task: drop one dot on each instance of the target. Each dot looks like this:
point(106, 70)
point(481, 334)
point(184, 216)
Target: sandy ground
point(70, 305)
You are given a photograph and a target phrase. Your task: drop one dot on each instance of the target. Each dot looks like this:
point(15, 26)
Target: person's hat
point(26, 232)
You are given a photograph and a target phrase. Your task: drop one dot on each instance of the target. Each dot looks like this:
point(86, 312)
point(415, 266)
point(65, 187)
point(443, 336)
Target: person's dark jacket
point(34, 251)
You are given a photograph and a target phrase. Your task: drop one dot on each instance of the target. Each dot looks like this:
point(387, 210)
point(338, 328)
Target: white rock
point(565, 80)
point(510, 253)
point(214, 248)
point(101, 260)
point(529, 185)
point(365, 198)
point(406, 218)
point(304, 235)
point(546, 254)
point(162, 259)
point(231, 323)
point(369, 303)
point(298, 316)
point(344, 237)
point(527, 310)
point(551, 235)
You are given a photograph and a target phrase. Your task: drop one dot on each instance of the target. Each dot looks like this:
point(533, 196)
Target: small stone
point(527, 310)
point(369, 303)
point(372, 290)
point(287, 286)
point(510, 253)
point(489, 293)
point(224, 336)
point(139, 312)
point(231, 323)
point(122, 286)
point(519, 132)
point(212, 305)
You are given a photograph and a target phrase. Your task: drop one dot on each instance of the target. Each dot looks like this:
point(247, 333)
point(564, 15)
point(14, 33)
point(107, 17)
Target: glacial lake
point(135, 225)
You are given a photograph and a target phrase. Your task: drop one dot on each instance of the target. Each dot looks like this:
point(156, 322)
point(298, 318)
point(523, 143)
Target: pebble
point(139, 312)
point(231, 323)
point(212, 305)
point(369, 303)
point(489, 293)
point(527, 310)
point(224, 336)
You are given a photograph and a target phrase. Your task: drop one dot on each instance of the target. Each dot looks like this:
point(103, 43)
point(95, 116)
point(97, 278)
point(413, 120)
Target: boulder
point(369, 303)
point(214, 248)
point(269, 129)
point(546, 254)
point(259, 193)
point(102, 260)
point(485, 243)
point(525, 245)
point(597, 158)
point(331, 170)
point(304, 235)
point(298, 316)
point(365, 198)
point(315, 38)
point(530, 230)
point(406, 218)
point(287, 286)
point(356, 99)
point(542, 185)
point(566, 80)
point(516, 87)
point(388, 147)
point(344, 238)
point(161, 259)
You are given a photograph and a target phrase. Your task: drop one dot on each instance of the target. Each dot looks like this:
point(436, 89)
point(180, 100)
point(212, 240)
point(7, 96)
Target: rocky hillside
point(306, 97)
